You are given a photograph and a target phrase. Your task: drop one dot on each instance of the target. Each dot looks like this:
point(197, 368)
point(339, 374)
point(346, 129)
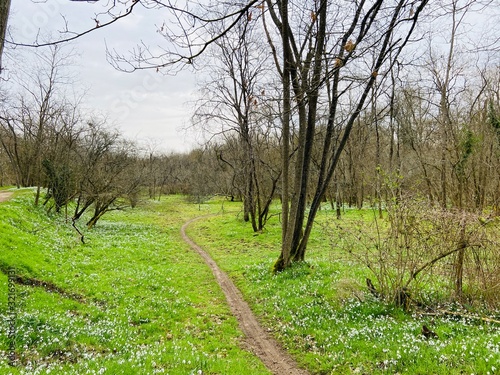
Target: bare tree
point(59, 159)
point(233, 98)
point(105, 172)
point(313, 58)
point(28, 121)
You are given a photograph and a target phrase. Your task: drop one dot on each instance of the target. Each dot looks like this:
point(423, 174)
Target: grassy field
point(135, 300)
point(324, 317)
point(132, 300)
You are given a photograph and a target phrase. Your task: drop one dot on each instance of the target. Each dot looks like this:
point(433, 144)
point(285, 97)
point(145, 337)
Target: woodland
point(354, 104)
point(367, 127)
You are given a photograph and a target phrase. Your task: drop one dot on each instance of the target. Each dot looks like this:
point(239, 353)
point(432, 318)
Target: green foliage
point(494, 119)
point(466, 148)
point(59, 183)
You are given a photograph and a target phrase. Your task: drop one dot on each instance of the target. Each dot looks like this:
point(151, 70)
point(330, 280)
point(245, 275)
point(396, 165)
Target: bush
point(423, 254)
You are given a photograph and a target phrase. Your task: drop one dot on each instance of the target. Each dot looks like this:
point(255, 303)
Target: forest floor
point(258, 341)
point(138, 298)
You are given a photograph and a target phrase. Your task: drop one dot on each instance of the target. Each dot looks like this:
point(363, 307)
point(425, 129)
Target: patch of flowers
point(365, 334)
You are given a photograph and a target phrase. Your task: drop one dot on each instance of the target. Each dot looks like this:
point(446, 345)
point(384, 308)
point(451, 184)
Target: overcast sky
point(145, 105)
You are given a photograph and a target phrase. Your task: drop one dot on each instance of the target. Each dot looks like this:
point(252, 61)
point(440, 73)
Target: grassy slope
point(152, 306)
point(149, 304)
point(312, 310)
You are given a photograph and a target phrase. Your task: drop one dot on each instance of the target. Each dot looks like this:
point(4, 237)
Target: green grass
point(319, 309)
point(146, 303)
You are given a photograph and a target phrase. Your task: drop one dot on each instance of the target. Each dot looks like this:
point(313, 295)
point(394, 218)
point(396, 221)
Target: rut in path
point(257, 339)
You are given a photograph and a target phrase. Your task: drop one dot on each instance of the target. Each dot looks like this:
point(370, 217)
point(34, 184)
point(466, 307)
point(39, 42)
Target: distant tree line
point(47, 142)
point(311, 102)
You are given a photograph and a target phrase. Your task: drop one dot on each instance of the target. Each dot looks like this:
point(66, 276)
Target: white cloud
point(143, 105)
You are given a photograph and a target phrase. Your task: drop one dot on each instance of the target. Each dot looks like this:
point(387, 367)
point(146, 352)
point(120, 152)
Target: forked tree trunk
point(304, 76)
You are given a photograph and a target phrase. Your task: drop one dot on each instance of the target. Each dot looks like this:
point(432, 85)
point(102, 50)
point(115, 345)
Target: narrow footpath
point(5, 195)
point(257, 340)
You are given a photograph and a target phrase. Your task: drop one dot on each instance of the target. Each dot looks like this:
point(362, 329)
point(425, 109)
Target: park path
point(257, 340)
point(5, 195)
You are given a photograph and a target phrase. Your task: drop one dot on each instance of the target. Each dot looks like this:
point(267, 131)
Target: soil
point(257, 339)
point(5, 195)
point(47, 285)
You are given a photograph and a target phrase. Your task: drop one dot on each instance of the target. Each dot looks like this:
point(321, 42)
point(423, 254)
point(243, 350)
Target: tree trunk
point(304, 75)
point(4, 17)
point(284, 258)
point(459, 262)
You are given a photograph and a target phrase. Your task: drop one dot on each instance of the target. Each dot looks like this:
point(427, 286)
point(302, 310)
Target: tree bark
point(284, 258)
point(4, 17)
point(305, 85)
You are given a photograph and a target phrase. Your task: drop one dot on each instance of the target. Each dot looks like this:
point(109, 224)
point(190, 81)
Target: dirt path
point(5, 195)
point(257, 340)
